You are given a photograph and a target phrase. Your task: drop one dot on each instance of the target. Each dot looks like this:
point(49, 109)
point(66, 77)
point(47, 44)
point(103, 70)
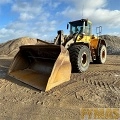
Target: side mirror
point(67, 26)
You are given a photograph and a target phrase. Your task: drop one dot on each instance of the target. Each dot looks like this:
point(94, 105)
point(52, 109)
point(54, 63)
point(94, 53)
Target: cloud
point(27, 10)
point(29, 7)
point(96, 11)
point(5, 1)
point(41, 29)
point(107, 17)
point(34, 20)
point(115, 33)
point(5, 33)
point(25, 16)
point(92, 4)
point(42, 18)
point(46, 26)
point(54, 4)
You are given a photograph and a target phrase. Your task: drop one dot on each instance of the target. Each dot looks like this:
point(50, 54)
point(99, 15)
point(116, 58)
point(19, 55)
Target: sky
point(43, 18)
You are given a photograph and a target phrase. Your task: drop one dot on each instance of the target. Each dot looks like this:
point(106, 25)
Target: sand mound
point(11, 47)
point(113, 44)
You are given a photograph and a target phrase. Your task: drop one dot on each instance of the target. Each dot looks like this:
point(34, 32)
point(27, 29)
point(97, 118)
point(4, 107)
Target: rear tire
point(79, 57)
point(101, 58)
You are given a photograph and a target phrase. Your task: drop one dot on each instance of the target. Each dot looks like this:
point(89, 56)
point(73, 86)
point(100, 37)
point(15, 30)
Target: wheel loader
point(46, 66)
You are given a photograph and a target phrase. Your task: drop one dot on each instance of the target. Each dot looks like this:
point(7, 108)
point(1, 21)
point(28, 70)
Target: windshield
point(80, 27)
point(76, 29)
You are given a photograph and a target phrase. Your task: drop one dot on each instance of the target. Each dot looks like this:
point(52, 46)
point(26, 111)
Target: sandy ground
point(99, 87)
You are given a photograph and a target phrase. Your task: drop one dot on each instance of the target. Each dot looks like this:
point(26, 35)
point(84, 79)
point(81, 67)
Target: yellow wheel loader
point(46, 66)
point(82, 45)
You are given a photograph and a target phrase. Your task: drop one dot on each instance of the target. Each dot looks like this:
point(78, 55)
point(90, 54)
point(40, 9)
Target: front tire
point(79, 57)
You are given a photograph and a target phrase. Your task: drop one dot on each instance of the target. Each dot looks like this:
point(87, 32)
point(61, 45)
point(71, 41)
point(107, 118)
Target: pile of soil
point(11, 47)
point(113, 44)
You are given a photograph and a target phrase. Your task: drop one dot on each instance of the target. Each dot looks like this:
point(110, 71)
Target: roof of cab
point(86, 20)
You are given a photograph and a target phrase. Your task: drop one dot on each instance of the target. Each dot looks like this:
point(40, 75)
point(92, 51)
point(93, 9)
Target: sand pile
point(11, 47)
point(113, 44)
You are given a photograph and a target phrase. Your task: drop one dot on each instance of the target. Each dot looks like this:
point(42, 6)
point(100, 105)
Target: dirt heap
point(113, 44)
point(11, 47)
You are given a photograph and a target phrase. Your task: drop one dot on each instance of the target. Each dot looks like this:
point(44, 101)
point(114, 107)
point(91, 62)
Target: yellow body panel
point(92, 41)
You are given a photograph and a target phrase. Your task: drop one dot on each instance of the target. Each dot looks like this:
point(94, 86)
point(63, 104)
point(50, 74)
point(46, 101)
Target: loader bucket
point(41, 66)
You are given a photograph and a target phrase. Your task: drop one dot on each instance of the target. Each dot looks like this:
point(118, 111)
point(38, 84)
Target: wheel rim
point(84, 59)
point(103, 54)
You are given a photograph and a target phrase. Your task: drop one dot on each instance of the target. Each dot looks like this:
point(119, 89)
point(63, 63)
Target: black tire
point(79, 58)
point(102, 54)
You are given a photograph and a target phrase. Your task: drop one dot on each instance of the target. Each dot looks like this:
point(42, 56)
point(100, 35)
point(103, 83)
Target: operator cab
point(82, 26)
